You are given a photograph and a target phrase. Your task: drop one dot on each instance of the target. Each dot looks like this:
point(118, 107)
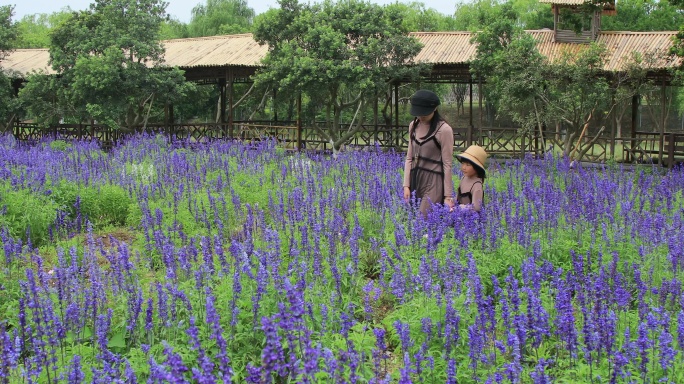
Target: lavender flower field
point(164, 262)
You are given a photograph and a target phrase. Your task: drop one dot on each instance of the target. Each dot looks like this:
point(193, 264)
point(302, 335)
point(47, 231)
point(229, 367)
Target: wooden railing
point(648, 147)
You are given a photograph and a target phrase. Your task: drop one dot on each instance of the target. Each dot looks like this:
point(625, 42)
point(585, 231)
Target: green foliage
point(570, 19)
point(8, 30)
point(60, 145)
point(9, 104)
point(678, 46)
point(33, 31)
point(26, 214)
point(173, 29)
point(104, 206)
point(644, 15)
point(492, 41)
point(39, 94)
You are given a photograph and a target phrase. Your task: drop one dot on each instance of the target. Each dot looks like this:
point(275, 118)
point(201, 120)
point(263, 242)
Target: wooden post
point(670, 150)
point(231, 116)
point(172, 120)
point(299, 122)
point(611, 119)
point(396, 133)
point(632, 129)
point(222, 112)
point(663, 119)
point(275, 109)
point(375, 116)
point(469, 133)
point(479, 96)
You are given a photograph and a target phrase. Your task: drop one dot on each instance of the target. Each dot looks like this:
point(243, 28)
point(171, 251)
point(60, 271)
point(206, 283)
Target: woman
point(427, 170)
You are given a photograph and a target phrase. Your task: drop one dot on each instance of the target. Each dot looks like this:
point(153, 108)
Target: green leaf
point(118, 341)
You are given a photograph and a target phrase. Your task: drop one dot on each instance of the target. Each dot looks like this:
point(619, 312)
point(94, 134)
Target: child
point(470, 193)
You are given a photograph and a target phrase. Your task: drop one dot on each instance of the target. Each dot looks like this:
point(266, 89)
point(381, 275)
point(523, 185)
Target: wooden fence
point(646, 147)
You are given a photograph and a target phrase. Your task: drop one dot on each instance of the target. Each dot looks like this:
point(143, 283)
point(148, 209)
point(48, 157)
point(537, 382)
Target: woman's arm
point(446, 140)
point(407, 167)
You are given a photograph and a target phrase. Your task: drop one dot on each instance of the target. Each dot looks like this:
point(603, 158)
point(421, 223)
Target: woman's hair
point(436, 118)
point(480, 172)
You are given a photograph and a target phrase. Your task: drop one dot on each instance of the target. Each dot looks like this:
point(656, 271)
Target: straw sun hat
point(476, 155)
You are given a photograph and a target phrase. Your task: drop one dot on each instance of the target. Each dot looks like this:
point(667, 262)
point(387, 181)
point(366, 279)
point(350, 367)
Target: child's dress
point(470, 191)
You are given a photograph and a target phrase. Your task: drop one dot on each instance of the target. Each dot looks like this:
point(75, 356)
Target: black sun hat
point(423, 103)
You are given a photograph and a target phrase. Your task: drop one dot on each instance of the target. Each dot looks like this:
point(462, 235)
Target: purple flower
point(76, 374)
point(217, 335)
point(451, 372)
point(175, 363)
point(403, 330)
point(539, 375)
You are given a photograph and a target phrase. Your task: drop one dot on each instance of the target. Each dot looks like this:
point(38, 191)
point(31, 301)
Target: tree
point(173, 29)
point(492, 40)
point(221, 17)
point(339, 56)
point(8, 31)
point(109, 62)
point(571, 91)
point(9, 105)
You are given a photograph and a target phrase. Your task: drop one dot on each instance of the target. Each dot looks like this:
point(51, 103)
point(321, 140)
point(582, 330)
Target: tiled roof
point(213, 51)
point(26, 61)
point(445, 47)
point(621, 47)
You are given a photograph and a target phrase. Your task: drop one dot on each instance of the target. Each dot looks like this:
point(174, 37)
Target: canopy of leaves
point(492, 40)
point(644, 15)
point(110, 65)
point(9, 105)
point(173, 29)
point(8, 30)
point(33, 31)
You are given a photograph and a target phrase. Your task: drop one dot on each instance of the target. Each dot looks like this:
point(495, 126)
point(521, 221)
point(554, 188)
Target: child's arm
point(478, 195)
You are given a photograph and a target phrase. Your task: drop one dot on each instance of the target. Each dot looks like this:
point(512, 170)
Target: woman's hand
point(407, 194)
point(449, 201)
